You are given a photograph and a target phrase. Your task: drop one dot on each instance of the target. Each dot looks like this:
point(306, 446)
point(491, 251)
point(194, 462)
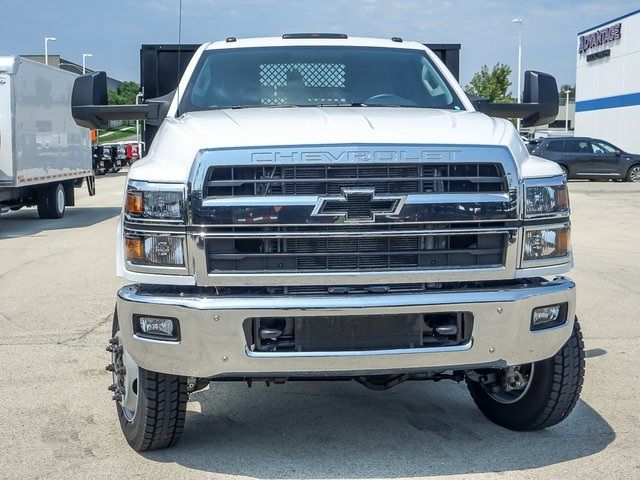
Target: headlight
point(547, 243)
point(155, 201)
point(546, 200)
point(162, 251)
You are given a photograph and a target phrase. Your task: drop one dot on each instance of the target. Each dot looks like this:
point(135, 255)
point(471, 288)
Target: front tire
point(634, 174)
point(157, 419)
point(548, 397)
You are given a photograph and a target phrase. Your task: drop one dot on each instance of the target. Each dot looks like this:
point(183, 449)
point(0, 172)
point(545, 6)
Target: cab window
point(578, 146)
point(555, 146)
point(603, 148)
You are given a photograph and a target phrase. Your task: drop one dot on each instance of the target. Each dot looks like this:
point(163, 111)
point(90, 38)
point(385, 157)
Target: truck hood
point(179, 139)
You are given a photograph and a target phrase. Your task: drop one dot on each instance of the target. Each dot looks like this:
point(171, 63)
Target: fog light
point(161, 328)
point(548, 316)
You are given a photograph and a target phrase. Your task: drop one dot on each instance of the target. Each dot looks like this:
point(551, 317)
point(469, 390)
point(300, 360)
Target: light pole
point(46, 48)
point(138, 98)
point(519, 21)
point(566, 112)
point(84, 61)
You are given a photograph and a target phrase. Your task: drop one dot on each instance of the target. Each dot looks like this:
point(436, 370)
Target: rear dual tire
point(549, 397)
point(52, 202)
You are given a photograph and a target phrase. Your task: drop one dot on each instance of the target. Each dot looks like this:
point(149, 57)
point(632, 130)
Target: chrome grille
point(316, 215)
point(408, 178)
point(371, 252)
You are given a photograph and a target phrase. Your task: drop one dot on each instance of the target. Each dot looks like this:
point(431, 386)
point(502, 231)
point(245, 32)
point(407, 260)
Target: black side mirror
point(540, 89)
point(89, 89)
point(540, 105)
point(89, 104)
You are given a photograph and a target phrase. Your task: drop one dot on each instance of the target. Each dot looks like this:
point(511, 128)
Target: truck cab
point(327, 207)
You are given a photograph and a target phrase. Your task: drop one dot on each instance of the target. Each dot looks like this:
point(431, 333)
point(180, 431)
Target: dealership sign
point(600, 37)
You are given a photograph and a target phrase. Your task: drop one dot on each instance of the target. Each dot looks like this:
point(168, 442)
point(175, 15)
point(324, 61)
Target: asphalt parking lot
point(57, 291)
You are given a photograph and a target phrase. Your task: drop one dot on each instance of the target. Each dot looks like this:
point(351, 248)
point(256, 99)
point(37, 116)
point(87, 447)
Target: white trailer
point(43, 153)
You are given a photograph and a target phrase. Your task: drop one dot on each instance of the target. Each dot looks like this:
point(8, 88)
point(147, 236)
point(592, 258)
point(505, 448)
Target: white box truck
point(43, 153)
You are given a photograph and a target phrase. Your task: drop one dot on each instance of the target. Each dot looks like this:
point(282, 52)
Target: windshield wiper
point(282, 105)
point(357, 104)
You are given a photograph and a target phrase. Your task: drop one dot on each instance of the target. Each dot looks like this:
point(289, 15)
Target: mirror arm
point(509, 110)
point(101, 115)
point(116, 112)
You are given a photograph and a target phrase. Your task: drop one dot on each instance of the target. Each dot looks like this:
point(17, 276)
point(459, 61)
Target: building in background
point(64, 64)
point(608, 82)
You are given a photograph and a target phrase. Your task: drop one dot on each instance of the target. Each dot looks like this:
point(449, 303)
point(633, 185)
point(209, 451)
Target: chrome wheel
point(60, 200)
point(125, 377)
point(634, 174)
point(510, 384)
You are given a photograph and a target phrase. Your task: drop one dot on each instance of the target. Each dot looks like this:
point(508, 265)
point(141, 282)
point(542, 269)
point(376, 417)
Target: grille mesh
point(331, 179)
point(410, 252)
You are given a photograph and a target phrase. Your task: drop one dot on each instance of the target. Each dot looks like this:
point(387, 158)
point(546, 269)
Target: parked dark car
point(590, 158)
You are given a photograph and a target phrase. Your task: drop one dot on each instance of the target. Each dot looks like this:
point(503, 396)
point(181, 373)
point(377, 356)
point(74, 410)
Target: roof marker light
point(290, 36)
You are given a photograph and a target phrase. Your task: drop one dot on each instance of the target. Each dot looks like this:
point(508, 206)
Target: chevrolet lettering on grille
point(358, 205)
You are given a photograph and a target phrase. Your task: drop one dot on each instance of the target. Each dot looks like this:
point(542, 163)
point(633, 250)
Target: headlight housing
point(155, 201)
point(546, 200)
point(156, 250)
point(547, 231)
point(546, 243)
point(154, 239)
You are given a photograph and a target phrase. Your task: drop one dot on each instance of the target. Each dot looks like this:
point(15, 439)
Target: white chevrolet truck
point(323, 207)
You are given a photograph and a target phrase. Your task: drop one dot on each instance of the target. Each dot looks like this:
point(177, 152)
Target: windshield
point(316, 76)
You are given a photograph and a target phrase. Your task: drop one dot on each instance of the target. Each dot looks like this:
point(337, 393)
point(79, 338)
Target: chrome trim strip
point(209, 227)
point(270, 201)
point(312, 200)
point(545, 181)
point(359, 353)
point(362, 233)
point(157, 269)
point(140, 231)
point(251, 279)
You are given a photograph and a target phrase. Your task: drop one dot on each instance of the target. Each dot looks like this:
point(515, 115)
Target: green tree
point(562, 93)
point(126, 94)
point(493, 84)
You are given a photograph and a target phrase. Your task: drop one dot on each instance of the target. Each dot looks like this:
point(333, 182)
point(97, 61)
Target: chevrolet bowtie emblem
point(358, 205)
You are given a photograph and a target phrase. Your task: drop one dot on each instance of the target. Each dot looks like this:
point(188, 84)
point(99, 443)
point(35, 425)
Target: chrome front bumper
point(213, 342)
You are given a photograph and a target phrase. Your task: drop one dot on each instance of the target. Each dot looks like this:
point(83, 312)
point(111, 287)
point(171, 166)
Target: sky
point(113, 31)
